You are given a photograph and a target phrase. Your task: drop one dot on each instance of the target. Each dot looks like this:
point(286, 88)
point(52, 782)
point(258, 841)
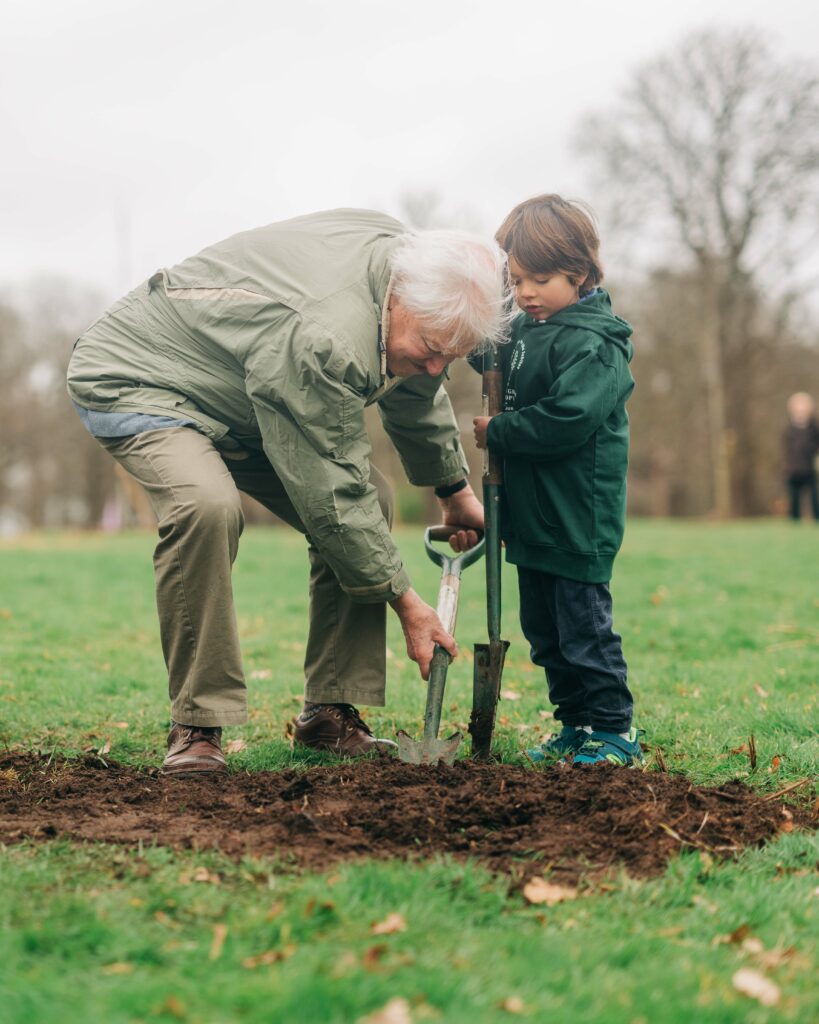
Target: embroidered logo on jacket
point(510, 393)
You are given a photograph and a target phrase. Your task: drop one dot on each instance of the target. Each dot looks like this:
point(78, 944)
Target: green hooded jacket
point(273, 339)
point(564, 438)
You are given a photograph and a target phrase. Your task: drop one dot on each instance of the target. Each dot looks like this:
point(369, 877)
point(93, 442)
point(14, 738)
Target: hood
point(594, 314)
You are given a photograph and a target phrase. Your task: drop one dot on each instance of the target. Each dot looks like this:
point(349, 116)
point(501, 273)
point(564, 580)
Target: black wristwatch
point(449, 489)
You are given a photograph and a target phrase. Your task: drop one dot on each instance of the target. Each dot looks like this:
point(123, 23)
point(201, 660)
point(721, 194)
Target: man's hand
point(479, 425)
point(422, 630)
point(463, 509)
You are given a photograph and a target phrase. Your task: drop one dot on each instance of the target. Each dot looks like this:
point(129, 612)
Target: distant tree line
point(710, 160)
point(707, 168)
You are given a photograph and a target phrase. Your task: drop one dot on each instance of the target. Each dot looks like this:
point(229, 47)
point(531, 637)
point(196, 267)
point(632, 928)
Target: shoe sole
point(188, 771)
point(605, 760)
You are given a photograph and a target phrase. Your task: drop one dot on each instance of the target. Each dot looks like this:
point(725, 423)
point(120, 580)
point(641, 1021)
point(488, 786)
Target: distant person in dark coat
point(801, 446)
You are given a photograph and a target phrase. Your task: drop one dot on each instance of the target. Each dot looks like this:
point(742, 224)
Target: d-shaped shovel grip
point(454, 563)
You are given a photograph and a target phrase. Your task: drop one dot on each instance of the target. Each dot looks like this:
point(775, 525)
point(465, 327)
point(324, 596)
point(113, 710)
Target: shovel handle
point(435, 692)
point(492, 404)
point(448, 601)
point(443, 531)
point(452, 563)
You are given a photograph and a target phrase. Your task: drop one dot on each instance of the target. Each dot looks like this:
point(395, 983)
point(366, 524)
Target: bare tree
point(51, 471)
point(668, 471)
point(714, 146)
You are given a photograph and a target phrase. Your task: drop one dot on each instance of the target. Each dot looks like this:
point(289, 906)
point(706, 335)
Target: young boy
point(564, 438)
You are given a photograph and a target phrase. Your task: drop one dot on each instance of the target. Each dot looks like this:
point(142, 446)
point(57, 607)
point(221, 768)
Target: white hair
point(456, 284)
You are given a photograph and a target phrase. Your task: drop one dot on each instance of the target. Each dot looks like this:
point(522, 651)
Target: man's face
point(411, 349)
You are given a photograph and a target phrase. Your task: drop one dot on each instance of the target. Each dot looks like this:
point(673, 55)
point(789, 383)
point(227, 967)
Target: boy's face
point(542, 295)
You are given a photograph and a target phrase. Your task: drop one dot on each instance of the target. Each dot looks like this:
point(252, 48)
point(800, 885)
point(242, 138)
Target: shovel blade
point(486, 681)
point(428, 751)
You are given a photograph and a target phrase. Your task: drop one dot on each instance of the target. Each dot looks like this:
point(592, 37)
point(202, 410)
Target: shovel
point(489, 658)
point(431, 750)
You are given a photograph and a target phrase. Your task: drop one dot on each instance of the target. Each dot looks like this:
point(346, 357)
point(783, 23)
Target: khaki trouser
point(194, 489)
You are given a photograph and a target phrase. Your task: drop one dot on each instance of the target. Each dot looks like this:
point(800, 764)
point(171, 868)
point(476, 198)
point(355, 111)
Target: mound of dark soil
point(513, 819)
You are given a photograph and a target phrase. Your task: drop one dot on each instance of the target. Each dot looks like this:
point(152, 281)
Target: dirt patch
point(515, 820)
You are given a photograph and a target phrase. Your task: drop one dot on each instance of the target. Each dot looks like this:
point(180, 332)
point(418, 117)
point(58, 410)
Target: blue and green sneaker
point(611, 748)
point(568, 741)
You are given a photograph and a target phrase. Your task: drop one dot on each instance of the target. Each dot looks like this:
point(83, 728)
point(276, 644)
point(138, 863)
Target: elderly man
point(248, 368)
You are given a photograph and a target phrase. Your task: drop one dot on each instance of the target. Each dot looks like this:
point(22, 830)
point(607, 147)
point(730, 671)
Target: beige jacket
point(273, 338)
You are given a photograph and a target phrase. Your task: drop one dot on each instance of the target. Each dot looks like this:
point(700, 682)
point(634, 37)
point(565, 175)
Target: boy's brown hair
point(551, 235)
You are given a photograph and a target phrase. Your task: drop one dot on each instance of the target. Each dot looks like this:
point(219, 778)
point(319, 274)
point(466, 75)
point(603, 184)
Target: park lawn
point(721, 632)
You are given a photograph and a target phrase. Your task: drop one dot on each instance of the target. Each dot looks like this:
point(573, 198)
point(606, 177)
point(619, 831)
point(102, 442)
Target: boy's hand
point(480, 423)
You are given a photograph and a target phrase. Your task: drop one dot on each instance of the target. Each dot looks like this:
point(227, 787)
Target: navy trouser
point(569, 628)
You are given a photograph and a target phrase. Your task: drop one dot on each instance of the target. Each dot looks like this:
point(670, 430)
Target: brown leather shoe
point(338, 728)
point(194, 750)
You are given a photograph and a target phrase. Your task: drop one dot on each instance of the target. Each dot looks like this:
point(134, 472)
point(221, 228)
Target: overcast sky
point(134, 132)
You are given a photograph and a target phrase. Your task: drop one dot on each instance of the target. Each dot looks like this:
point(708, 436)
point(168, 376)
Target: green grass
point(721, 632)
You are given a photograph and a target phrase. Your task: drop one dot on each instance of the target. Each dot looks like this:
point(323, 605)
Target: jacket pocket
point(527, 515)
point(564, 493)
point(551, 504)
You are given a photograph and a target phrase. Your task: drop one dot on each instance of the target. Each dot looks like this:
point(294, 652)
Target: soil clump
point(515, 820)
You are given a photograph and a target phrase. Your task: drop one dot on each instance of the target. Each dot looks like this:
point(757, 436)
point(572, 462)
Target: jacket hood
point(593, 314)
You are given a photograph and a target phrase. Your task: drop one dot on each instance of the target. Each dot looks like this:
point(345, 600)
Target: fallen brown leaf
point(425, 1011)
point(346, 963)
point(756, 986)
point(219, 935)
point(374, 955)
point(773, 958)
point(313, 905)
point(392, 923)
point(175, 1007)
point(271, 956)
point(510, 695)
point(396, 1011)
point(753, 945)
point(275, 909)
point(513, 1004)
point(118, 968)
point(234, 746)
point(203, 875)
point(538, 890)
